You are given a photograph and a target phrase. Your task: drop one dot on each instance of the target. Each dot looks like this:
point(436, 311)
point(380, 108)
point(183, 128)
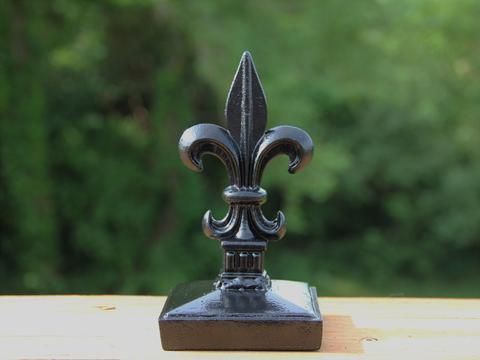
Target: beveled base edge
point(241, 335)
point(245, 332)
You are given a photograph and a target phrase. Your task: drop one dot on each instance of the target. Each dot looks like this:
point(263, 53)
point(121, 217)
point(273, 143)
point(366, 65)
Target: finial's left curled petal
point(202, 139)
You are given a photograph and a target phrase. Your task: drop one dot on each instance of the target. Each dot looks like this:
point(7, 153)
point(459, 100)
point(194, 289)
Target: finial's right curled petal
point(288, 140)
point(270, 230)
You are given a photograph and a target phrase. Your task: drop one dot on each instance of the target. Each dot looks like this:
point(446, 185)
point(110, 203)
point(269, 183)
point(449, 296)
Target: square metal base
point(198, 317)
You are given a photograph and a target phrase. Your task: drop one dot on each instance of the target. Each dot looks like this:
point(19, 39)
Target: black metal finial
point(245, 149)
point(244, 310)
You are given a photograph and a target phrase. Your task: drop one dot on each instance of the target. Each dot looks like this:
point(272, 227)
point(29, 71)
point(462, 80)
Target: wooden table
point(125, 327)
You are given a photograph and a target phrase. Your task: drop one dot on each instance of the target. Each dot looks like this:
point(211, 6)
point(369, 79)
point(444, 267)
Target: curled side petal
point(288, 140)
point(270, 230)
point(220, 229)
point(211, 139)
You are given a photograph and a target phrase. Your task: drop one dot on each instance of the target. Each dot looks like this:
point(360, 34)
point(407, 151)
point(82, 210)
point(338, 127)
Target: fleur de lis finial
point(245, 149)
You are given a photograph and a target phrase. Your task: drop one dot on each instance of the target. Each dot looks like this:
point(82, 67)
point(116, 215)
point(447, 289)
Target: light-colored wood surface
point(125, 327)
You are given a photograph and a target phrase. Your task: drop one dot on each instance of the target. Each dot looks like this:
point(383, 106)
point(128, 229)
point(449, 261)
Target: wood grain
point(125, 327)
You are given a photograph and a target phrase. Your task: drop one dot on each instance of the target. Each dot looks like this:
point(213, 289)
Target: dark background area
point(94, 96)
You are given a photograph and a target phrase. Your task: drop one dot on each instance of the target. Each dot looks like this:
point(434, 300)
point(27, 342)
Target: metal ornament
point(243, 309)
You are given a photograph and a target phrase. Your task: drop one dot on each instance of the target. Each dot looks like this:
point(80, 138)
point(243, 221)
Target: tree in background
point(29, 247)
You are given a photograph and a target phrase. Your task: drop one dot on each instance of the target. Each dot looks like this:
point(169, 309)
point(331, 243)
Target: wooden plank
point(125, 327)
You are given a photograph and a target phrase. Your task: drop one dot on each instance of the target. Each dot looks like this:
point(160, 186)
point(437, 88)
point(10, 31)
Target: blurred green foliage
point(94, 96)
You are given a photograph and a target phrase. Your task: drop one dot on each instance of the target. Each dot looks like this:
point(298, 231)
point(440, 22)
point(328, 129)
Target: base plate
point(198, 317)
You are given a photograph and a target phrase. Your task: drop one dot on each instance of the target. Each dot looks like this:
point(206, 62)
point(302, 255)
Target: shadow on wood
point(341, 335)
